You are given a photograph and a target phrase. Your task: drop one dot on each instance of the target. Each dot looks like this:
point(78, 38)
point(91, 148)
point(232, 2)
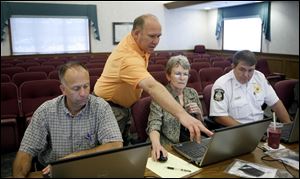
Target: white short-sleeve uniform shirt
point(241, 101)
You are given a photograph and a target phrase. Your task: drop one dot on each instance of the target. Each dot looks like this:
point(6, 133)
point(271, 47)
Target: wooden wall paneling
point(292, 69)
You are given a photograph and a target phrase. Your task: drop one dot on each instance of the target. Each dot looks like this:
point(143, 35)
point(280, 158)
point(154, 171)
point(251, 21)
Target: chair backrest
point(201, 59)
point(199, 65)
point(13, 61)
point(25, 65)
point(9, 100)
point(165, 55)
point(20, 78)
point(55, 63)
point(221, 64)
point(5, 78)
point(207, 96)
point(199, 49)
point(227, 69)
point(44, 68)
point(9, 135)
point(156, 67)
point(191, 56)
point(194, 81)
point(216, 58)
point(83, 60)
point(229, 59)
point(263, 66)
point(95, 65)
point(42, 60)
point(95, 71)
point(98, 60)
point(4, 65)
point(209, 75)
point(162, 62)
point(154, 59)
point(93, 80)
point(285, 91)
point(140, 112)
point(12, 70)
point(34, 93)
point(53, 75)
point(205, 55)
point(160, 76)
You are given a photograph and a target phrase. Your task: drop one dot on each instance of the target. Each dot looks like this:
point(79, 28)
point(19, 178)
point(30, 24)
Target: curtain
point(257, 9)
point(9, 9)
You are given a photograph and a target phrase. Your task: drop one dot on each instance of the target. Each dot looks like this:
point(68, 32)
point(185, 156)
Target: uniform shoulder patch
point(218, 94)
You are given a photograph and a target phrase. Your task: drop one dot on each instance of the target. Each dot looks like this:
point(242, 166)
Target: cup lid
point(278, 124)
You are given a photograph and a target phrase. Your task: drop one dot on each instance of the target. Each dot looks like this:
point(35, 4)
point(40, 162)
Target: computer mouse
point(162, 158)
point(47, 175)
point(249, 170)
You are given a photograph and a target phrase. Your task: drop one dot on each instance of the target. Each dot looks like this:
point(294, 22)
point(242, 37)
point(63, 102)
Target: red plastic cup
point(274, 134)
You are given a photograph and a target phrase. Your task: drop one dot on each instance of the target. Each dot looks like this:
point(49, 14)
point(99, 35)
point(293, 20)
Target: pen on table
point(180, 169)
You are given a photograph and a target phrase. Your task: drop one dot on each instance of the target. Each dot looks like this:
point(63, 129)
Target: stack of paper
point(174, 167)
point(287, 156)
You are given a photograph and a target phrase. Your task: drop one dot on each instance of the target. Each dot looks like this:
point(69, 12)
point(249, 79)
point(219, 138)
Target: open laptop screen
point(226, 143)
point(290, 131)
point(128, 161)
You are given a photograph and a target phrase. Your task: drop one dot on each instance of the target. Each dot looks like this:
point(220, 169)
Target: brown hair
point(245, 56)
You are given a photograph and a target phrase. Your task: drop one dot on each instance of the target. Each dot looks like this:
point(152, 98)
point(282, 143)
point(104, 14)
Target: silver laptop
point(125, 162)
point(226, 143)
point(290, 132)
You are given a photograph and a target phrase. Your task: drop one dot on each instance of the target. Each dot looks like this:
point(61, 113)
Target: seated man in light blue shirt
point(69, 125)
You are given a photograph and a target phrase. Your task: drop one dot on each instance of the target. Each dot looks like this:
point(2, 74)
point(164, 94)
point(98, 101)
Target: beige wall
point(182, 29)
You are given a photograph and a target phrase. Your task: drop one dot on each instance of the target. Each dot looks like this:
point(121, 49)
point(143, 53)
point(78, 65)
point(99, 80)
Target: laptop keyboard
point(193, 149)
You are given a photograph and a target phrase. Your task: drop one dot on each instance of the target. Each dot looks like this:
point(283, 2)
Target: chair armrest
point(200, 96)
point(281, 75)
point(273, 80)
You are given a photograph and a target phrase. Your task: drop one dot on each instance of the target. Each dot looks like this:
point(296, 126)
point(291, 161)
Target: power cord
point(264, 158)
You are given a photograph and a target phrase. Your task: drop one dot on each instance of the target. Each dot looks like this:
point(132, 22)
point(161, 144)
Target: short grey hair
point(246, 56)
point(71, 64)
point(177, 60)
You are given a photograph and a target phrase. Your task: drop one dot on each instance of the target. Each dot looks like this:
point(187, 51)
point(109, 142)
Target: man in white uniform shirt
point(237, 96)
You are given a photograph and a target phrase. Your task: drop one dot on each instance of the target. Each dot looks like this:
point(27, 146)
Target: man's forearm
point(22, 164)
point(281, 112)
point(226, 121)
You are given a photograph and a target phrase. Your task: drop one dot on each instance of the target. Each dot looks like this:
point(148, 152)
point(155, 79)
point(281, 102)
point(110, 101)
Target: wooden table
point(217, 170)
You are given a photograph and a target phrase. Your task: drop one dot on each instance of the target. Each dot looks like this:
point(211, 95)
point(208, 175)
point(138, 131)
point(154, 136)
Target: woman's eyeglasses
point(184, 75)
